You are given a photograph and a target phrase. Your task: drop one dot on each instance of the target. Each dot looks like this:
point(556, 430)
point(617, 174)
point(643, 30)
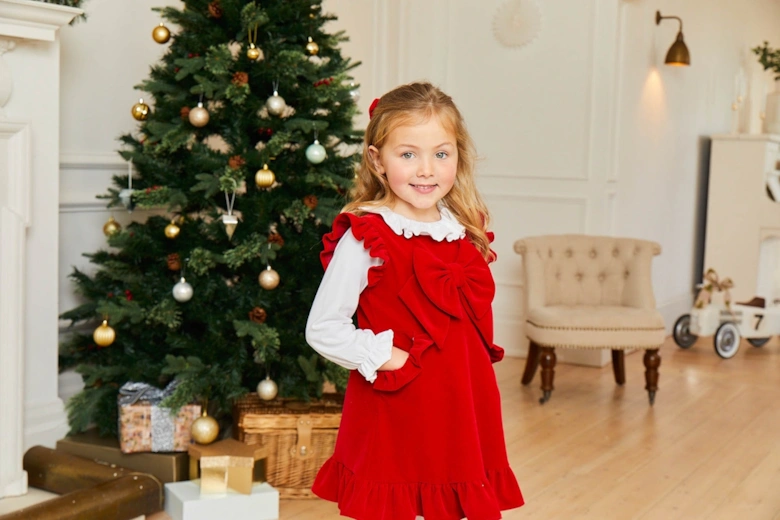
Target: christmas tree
point(248, 148)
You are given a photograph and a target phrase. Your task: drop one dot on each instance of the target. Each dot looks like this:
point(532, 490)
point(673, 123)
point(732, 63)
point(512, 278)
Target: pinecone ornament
point(215, 10)
point(276, 238)
point(236, 162)
point(258, 315)
point(240, 78)
point(174, 262)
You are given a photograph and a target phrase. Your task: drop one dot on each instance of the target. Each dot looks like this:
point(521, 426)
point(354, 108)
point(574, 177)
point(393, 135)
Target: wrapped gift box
point(168, 467)
point(144, 425)
point(184, 501)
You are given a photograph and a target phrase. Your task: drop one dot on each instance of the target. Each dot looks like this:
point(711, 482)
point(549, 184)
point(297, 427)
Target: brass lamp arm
point(658, 19)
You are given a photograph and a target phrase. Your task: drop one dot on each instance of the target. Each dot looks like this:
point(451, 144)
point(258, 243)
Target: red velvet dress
point(426, 439)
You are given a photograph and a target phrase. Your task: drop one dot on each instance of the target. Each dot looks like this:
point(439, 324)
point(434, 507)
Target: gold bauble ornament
point(205, 429)
point(267, 389)
point(172, 230)
point(140, 110)
point(268, 279)
point(111, 227)
point(312, 47)
point(264, 178)
point(199, 116)
point(161, 34)
point(252, 52)
point(104, 335)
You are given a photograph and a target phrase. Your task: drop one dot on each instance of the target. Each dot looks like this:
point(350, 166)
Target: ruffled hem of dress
point(362, 229)
point(446, 228)
point(365, 499)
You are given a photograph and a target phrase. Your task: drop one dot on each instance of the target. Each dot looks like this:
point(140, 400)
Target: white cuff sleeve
point(330, 330)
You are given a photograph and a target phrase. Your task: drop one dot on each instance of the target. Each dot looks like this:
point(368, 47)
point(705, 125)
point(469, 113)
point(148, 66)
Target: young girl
point(421, 430)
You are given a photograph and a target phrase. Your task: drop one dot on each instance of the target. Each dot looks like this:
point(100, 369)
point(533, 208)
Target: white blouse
point(329, 329)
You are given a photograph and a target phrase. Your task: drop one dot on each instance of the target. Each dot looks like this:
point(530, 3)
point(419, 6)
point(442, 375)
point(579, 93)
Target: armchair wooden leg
point(547, 358)
point(531, 362)
point(619, 366)
point(652, 362)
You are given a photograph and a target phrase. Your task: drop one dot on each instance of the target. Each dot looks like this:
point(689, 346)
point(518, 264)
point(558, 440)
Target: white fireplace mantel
point(30, 410)
point(33, 20)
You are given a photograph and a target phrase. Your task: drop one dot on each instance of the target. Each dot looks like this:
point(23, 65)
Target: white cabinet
point(742, 237)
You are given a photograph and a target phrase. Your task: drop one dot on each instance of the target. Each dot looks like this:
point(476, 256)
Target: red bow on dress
point(442, 291)
point(457, 285)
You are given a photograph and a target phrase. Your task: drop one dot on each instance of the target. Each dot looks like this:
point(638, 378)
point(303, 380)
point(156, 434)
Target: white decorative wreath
point(517, 22)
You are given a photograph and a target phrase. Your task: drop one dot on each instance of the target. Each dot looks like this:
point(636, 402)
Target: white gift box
point(184, 501)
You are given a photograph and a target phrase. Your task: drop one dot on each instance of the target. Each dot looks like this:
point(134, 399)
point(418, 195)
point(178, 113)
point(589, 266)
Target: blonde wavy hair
point(412, 104)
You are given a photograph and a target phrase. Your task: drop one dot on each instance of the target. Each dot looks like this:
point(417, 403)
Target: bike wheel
point(726, 340)
point(681, 332)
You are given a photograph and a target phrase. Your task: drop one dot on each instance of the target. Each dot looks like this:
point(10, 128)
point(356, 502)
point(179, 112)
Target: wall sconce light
point(678, 54)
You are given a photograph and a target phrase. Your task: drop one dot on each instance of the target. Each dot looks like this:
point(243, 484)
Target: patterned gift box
point(146, 426)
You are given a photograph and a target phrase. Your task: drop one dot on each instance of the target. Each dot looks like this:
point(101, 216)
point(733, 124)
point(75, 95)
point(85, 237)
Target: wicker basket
point(299, 437)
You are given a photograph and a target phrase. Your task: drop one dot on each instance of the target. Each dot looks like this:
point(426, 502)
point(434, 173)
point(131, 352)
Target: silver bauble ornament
point(267, 389)
point(275, 104)
point(182, 291)
point(268, 279)
point(354, 93)
point(316, 153)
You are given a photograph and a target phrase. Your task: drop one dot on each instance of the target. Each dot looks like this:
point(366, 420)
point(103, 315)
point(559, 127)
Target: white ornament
point(517, 22)
point(275, 104)
point(182, 291)
point(125, 196)
point(354, 93)
point(316, 153)
point(267, 389)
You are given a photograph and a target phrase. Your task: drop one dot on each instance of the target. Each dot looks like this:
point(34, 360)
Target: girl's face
point(420, 162)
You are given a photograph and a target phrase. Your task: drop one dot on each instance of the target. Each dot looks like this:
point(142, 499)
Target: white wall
point(666, 114)
point(584, 130)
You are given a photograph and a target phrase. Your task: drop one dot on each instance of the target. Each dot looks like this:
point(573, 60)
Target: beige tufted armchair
point(590, 292)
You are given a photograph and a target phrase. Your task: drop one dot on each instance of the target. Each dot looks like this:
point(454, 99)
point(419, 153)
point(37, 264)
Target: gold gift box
point(168, 467)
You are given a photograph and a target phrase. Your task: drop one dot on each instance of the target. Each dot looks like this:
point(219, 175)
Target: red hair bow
point(372, 107)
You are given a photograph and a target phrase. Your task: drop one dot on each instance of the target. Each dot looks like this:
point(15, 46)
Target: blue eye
point(442, 155)
point(407, 155)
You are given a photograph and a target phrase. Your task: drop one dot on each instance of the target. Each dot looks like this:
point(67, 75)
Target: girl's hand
point(397, 359)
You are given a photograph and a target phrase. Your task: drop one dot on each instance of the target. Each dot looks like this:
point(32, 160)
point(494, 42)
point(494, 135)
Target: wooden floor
point(708, 449)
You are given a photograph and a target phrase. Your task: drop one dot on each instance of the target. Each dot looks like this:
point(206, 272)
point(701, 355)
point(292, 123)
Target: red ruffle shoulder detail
point(363, 228)
point(494, 256)
point(366, 499)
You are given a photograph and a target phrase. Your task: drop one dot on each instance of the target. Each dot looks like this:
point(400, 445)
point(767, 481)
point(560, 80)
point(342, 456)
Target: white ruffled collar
point(447, 228)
